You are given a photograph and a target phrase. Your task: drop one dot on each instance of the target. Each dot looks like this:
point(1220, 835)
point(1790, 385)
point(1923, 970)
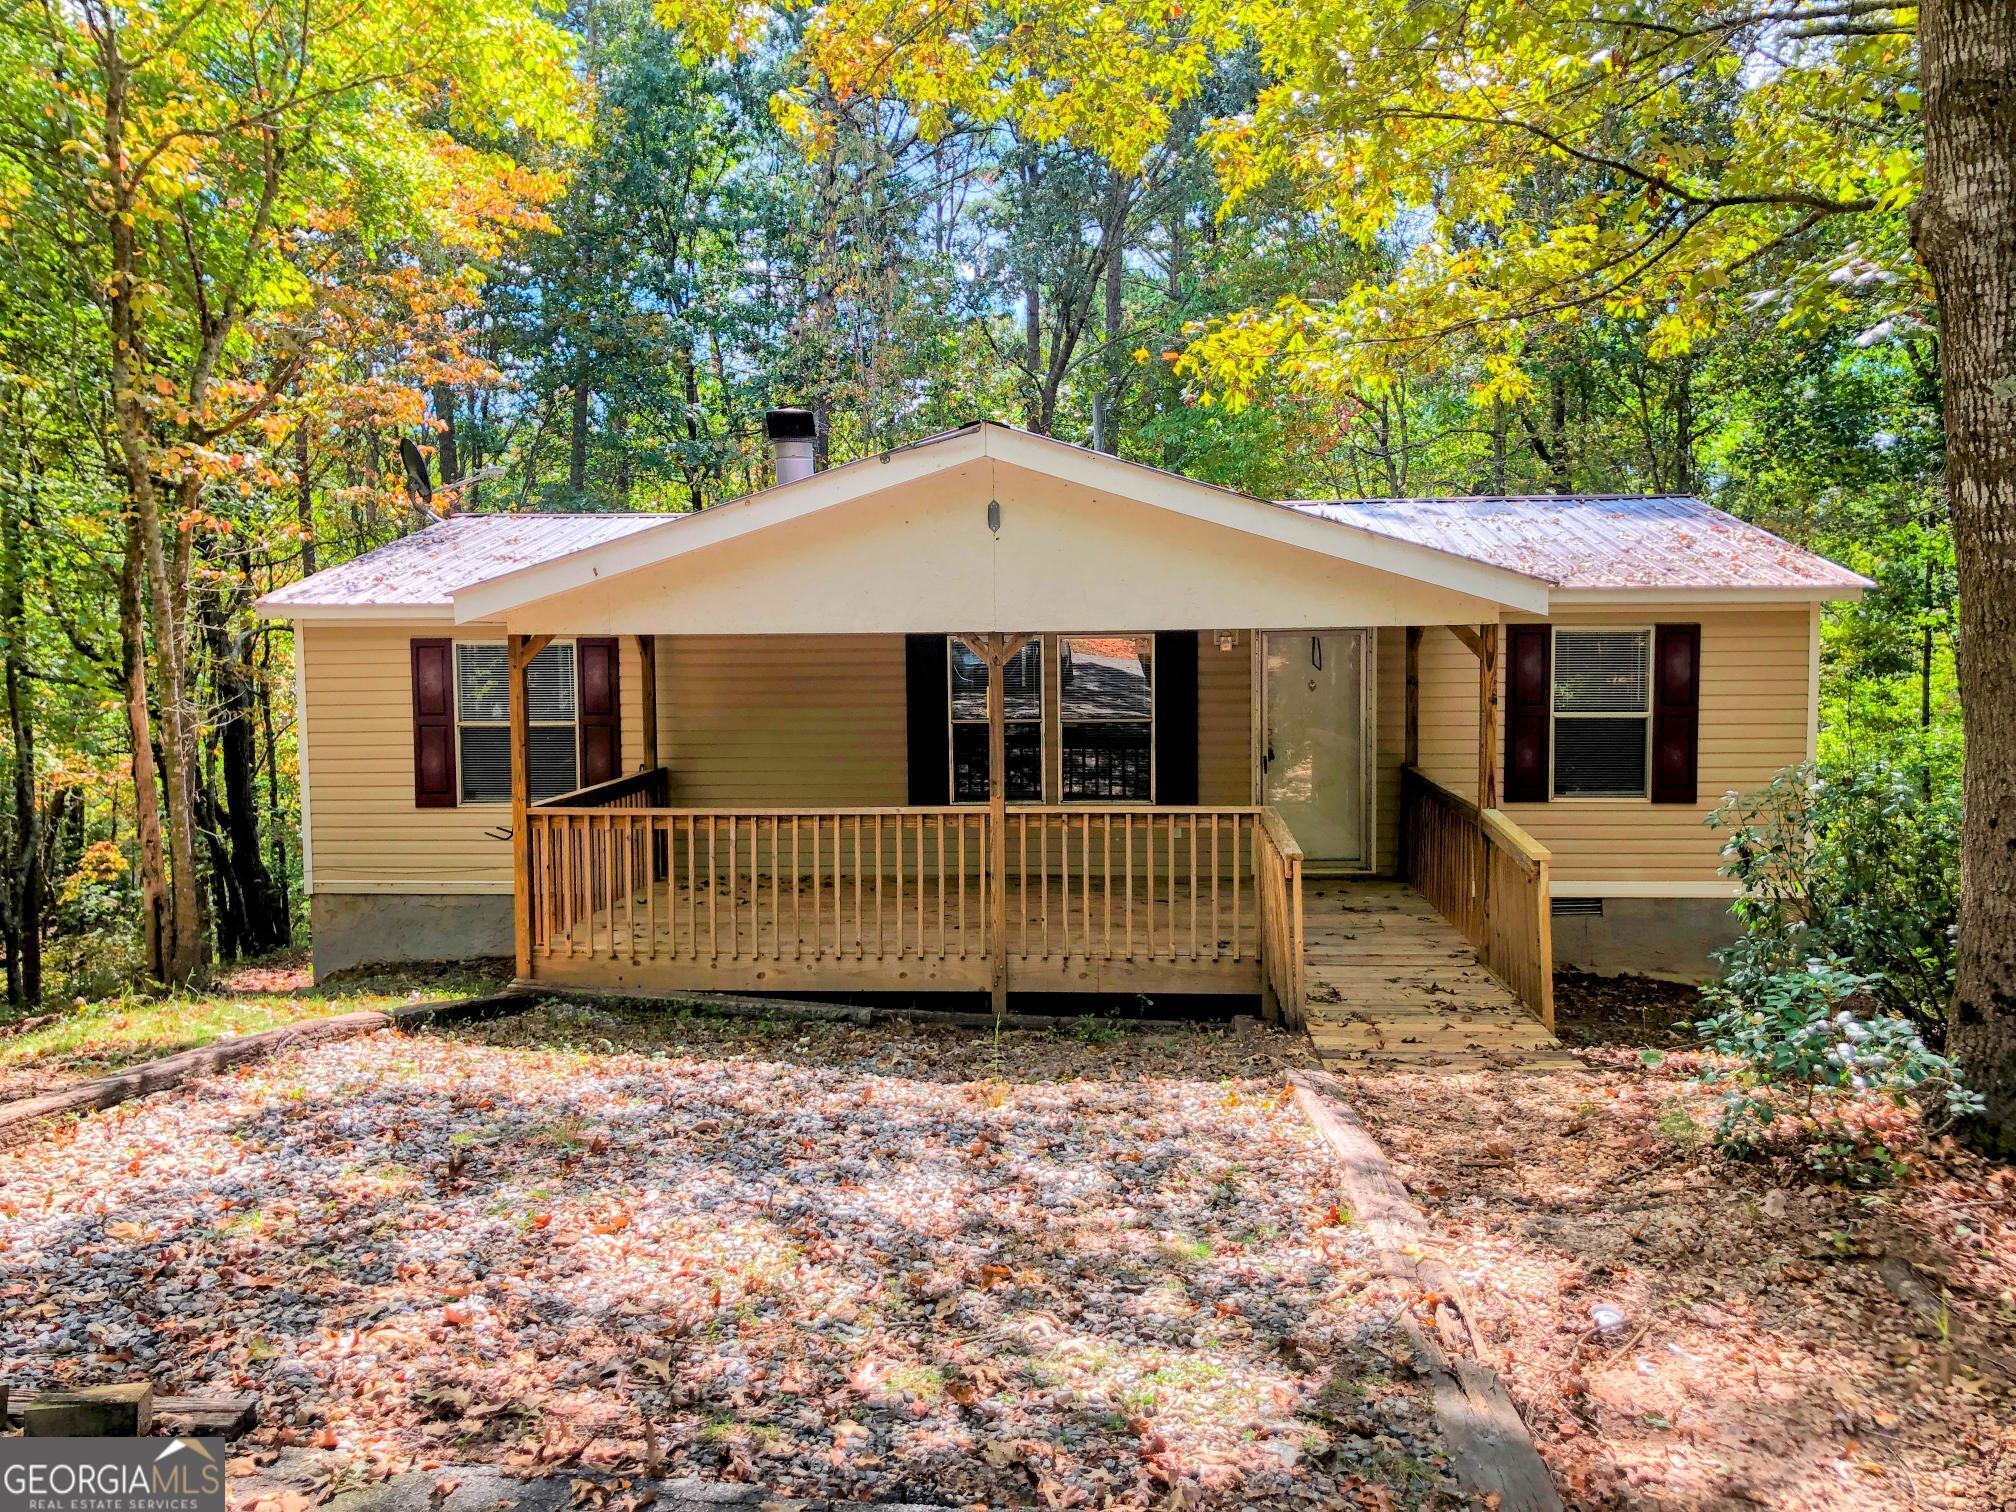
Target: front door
point(1313, 757)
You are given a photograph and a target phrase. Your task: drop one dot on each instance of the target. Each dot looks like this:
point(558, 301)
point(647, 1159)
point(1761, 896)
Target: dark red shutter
point(927, 710)
point(598, 660)
point(434, 724)
point(1529, 693)
point(1676, 712)
point(1175, 718)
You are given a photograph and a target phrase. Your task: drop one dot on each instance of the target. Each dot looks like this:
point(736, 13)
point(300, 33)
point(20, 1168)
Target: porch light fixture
point(1228, 640)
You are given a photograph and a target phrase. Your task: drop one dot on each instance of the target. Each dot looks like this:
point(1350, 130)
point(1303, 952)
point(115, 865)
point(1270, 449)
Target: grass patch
point(96, 1038)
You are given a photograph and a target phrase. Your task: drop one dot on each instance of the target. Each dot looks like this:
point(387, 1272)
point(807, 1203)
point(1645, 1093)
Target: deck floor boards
point(1393, 984)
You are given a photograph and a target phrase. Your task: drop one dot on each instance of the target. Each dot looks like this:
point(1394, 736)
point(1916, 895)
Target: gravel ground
point(894, 1263)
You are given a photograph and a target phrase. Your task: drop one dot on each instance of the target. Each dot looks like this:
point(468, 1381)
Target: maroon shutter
point(434, 724)
point(596, 662)
point(1676, 712)
point(1529, 692)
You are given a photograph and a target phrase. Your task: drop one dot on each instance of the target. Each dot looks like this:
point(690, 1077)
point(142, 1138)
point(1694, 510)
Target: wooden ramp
point(1393, 984)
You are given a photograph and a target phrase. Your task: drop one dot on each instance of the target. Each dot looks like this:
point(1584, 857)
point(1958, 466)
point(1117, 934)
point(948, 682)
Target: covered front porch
point(629, 885)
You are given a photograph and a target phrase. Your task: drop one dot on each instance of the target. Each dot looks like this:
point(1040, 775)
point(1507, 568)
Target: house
point(992, 712)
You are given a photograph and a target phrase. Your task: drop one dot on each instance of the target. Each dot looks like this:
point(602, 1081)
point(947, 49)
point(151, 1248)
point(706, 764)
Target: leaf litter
point(833, 1261)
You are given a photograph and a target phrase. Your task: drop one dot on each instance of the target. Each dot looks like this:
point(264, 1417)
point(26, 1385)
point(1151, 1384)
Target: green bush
point(1848, 894)
point(1859, 865)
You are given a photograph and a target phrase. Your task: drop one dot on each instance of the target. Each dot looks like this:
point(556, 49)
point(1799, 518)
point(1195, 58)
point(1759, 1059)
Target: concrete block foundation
point(1664, 937)
point(359, 929)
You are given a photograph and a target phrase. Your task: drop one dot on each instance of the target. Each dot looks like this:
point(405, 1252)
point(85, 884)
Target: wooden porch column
point(1413, 757)
point(1487, 716)
point(520, 651)
point(997, 650)
point(647, 673)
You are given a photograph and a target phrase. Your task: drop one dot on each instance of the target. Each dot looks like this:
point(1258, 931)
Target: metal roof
point(1608, 542)
point(425, 570)
point(1599, 541)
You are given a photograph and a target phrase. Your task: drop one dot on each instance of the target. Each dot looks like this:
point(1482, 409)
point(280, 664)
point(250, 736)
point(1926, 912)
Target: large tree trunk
point(1964, 227)
point(24, 882)
point(181, 957)
point(146, 785)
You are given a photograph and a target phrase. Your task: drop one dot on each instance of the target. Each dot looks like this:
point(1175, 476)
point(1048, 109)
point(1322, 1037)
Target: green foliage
point(1802, 1056)
point(1858, 864)
point(1848, 896)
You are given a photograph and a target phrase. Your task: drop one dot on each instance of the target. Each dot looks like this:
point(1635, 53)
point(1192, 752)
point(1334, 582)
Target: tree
point(200, 169)
point(1964, 227)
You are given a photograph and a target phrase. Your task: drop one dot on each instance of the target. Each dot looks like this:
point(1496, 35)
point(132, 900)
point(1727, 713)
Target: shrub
point(1848, 896)
point(1859, 865)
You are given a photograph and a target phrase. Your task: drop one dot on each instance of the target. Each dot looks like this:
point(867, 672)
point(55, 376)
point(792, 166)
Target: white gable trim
point(498, 596)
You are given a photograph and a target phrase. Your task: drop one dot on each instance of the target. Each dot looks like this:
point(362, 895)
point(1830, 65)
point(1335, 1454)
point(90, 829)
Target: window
point(483, 721)
point(1602, 713)
point(1022, 712)
point(1106, 718)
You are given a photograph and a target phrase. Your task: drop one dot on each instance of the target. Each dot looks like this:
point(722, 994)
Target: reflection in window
point(1022, 700)
point(1106, 718)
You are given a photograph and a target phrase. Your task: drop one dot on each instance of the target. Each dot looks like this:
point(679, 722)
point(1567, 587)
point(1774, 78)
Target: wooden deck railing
point(1115, 899)
point(650, 788)
point(1489, 878)
point(1277, 871)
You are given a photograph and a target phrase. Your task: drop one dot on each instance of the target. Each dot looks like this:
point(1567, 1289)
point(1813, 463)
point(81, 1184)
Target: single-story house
point(992, 712)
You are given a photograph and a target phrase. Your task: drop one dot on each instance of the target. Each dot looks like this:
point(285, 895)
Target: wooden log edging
point(1487, 1439)
point(18, 1118)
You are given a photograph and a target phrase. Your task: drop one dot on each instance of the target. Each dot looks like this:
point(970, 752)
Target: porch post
point(1487, 716)
point(1413, 758)
point(516, 660)
point(647, 672)
point(997, 820)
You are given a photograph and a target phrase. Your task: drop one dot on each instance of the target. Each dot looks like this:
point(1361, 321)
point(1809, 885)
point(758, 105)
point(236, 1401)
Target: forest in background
point(248, 248)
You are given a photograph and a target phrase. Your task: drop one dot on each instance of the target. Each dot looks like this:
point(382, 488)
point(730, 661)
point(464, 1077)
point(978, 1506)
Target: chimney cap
point(789, 425)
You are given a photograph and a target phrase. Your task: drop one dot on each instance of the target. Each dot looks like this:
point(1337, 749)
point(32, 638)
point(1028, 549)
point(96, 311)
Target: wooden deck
point(1392, 984)
point(794, 936)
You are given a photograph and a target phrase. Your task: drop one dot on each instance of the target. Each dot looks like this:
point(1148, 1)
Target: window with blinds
point(483, 721)
point(1602, 713)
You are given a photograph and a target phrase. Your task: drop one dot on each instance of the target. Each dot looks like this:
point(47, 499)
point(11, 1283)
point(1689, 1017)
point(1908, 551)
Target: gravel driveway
point(895, 1263)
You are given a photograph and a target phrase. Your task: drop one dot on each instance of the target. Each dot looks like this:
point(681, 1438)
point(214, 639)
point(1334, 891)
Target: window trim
point(574, 724)
point(1041, 721)
point(1150, 720)
point(1555, 716)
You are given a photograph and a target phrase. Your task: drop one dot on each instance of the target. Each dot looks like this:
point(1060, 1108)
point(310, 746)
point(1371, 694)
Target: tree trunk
point(146, 784)
point(446, 454)
point(304, 499)
point(577, 442)
point(1964, 227)
point(181, 955)
point(24, 882)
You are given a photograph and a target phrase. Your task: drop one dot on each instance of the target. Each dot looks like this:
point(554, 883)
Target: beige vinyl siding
point(1224, 721)
point(1755, 696)
point(810, 721)
point(365, 831)
point(783, 721)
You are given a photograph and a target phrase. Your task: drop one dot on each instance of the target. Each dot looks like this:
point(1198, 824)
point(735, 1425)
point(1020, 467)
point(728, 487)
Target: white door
point(1313, 753)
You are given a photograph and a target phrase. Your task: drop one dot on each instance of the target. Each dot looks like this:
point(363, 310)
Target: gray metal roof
point(1598, 541)
point(424, 571)
point(1572, 541)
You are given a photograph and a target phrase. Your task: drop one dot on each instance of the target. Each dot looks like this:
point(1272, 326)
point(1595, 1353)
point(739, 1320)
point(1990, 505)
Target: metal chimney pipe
point(792, 433)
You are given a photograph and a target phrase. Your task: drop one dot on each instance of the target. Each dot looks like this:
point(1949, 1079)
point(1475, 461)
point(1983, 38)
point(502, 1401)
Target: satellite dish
point(419, 487)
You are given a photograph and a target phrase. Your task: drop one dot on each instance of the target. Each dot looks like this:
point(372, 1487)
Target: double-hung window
point(1022, 714)
point(1602, 713)
point(1106, 718)
point(483, 721)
